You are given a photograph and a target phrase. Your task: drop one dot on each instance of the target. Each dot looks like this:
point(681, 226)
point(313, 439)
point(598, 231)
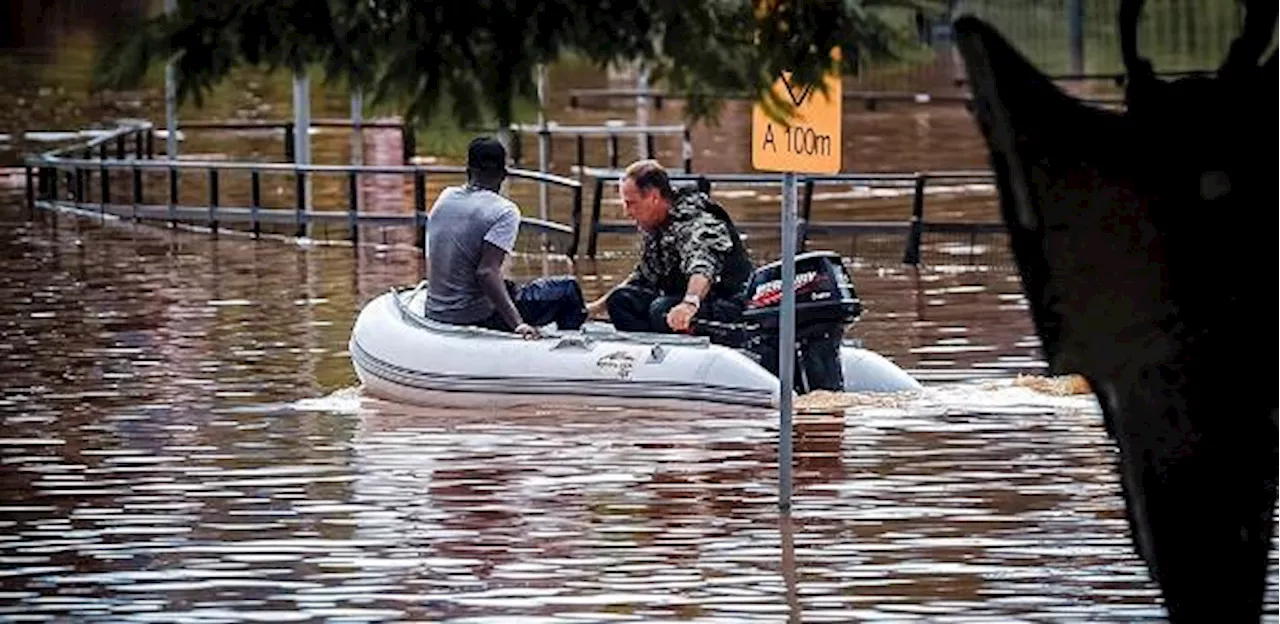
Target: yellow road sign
point(810, 141)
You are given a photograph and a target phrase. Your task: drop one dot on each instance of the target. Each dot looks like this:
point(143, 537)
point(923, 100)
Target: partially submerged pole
point(642, 108)
point(544, 140)
point(357, 123)
point(170, 97)
point(1075, 35)
point(302, 140)
point(301, 118)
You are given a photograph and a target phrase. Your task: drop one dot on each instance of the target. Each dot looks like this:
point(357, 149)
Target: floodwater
point(183, 438)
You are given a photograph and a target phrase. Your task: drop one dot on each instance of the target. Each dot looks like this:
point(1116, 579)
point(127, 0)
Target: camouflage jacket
point(698, 238)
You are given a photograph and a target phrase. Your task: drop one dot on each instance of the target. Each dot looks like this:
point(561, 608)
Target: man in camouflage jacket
point(692, 265)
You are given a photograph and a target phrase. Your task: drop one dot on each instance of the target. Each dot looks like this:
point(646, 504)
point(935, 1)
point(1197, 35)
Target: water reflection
point(573, 515)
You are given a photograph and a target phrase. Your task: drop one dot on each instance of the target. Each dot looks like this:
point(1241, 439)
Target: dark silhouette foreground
point(1146, 252)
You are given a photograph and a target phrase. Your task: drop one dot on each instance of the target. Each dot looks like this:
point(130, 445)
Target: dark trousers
point(543, 301)
point(817, 366)
point(636, 309)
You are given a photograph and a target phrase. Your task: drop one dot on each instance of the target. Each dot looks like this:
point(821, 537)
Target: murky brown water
point(183, 441)
point(182, 437)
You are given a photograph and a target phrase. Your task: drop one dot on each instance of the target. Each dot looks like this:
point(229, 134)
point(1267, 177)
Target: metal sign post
point(808, 143)
point(787, 337)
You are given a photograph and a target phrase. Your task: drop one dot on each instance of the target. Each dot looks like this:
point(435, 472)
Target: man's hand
point(527, 331)
point(598, 309)
point(679, 316)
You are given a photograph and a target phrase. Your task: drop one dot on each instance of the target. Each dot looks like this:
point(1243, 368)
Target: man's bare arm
point(489, 274)
point(699, 285)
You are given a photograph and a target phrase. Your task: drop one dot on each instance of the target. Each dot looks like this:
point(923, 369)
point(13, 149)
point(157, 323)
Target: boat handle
point(656, 355)
point(574, 342)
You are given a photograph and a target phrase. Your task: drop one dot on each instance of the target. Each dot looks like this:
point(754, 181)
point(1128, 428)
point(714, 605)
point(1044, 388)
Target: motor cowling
point(824, 293)
point(826, 304)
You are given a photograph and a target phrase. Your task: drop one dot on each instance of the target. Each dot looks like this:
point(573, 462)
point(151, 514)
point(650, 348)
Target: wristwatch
point(692, 300)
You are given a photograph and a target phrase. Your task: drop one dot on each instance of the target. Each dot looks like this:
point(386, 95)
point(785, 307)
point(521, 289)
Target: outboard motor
point(826, 304)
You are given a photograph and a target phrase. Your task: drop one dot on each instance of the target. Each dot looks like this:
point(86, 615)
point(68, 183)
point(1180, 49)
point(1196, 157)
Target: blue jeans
point(542, 301)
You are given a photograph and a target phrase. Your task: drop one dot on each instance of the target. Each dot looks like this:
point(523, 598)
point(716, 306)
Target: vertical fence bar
point(120, 147)
point(912, 253)
point(213, 201)
point(151, 143)
point(581, 156)
point(593, 232)
point(104, 187)
point(613, 151)
point(806, 209)
point(686, 150)
point(648, 145)
point(576, 221)
point(517, 146)
point(420, 208)
point(31, 190)
point(79, 192)
point(300, 203)
point(255, 201)
point(289, 154)
point(408, 142)
point(137, 189)
point(137, 144)
point(173, 195)
point(353, 205)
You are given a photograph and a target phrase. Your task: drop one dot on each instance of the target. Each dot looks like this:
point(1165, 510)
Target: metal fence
point(912, 184)
point(114, 174)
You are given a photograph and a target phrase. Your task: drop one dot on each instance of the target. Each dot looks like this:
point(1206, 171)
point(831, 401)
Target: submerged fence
point(914, 185)
point(116, 174)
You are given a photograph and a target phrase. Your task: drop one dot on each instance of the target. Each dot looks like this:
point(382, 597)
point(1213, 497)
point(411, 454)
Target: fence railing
point(914, 184)
point(408, 136)
point(63, 178)
point(120, 162)
point(870, 100)
point(1118, 78)
point(612, 134)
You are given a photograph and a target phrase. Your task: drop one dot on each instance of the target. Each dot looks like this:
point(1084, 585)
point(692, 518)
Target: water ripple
point(191, 446)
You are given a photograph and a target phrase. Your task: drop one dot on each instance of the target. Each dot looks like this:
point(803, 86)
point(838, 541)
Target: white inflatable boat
point(402, 356)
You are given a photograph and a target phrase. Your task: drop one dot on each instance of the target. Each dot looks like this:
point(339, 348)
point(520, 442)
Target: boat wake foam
point(342, 401)
point(1026, 393)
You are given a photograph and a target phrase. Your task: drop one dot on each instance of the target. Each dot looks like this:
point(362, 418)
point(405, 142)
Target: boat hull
point(401, 356)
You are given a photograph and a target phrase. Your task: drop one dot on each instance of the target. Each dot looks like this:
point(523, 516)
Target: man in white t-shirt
point(471, 230)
